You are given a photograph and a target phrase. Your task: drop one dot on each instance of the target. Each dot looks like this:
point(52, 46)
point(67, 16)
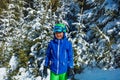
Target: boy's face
point(59, 35)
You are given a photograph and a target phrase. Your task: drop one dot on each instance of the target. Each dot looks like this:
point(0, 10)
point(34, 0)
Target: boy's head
point(59, 30)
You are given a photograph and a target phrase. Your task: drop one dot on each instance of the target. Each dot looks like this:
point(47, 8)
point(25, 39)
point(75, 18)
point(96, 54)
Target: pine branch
point(102, 34)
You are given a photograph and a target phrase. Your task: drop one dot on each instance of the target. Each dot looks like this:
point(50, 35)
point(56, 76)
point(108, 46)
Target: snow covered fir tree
point(93, 27)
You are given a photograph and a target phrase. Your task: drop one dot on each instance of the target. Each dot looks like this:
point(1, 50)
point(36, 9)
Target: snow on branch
point(96, 28)
point(102, 34)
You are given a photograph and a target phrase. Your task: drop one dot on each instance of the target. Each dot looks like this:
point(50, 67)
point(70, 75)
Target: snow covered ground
point(87, 74)
point(98, 74)
point(2, 73)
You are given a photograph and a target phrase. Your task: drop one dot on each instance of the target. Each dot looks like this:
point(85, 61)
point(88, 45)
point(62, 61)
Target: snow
point(37, 25)
point(87, 74)
point(11, 6)
point(2, 73)
point(13, 63)
point(114, 6)
point(28, 75)
point(98, 74)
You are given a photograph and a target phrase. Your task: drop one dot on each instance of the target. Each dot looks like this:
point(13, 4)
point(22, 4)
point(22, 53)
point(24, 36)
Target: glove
point(45, 72)
point(70, 73)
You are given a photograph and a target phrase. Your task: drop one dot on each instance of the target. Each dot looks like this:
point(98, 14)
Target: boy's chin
point(59, 38)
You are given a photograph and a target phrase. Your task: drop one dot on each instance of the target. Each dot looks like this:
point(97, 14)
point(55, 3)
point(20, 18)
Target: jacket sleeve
point(47, 58)
point(70, 56)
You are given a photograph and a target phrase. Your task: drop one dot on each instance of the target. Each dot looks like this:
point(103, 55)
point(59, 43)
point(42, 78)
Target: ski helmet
point(59, 28)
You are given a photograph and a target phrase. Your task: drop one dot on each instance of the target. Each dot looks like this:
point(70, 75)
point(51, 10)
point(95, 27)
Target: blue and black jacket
point(59, 55)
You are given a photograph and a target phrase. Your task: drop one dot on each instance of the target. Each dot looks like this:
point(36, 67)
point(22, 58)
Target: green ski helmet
point(59, 28)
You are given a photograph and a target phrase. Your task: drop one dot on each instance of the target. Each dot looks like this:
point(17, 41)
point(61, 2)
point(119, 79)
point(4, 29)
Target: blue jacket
point(59, 55)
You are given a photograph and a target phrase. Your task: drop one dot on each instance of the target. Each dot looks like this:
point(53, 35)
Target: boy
point(59, 55)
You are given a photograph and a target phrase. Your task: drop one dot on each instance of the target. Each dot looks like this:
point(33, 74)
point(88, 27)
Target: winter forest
point(26, 27)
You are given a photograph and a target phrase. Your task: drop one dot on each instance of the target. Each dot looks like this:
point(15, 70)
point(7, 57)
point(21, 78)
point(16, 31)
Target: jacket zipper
point(65, 54)
point(58, 52)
